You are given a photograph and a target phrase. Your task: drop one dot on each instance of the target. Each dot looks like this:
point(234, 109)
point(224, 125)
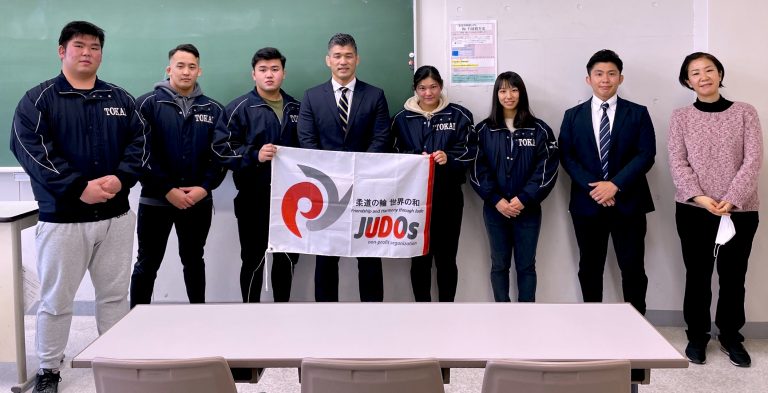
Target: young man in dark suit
point(607, 145)
point(345, 114)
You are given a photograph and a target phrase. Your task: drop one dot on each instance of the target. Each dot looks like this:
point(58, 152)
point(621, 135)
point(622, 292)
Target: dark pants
point(518, 235)
point(252, 212)
point(628, 234)
point(327, 279)
point(152, 230)
point(697, 229)
point(444, 232)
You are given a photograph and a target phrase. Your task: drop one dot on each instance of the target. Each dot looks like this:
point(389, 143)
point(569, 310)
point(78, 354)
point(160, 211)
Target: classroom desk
point(14, 217)
point(459, 335)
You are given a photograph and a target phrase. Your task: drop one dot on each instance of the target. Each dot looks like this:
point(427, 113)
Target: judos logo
point(334, 207)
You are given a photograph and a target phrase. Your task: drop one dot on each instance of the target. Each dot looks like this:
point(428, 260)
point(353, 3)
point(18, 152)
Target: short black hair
point(189, 48)
point(524, 117)
point(605, 56)
point(268, 53)
point(425, 72)
point(342, 39)
point(80, 27)
point(683, 77)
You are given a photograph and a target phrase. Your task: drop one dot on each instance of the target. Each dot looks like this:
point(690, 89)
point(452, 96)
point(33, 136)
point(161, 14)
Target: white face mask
point(726, 231)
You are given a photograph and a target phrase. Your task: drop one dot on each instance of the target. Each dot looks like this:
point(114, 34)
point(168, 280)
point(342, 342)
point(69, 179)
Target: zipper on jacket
point(429, 132)
point(184, 115)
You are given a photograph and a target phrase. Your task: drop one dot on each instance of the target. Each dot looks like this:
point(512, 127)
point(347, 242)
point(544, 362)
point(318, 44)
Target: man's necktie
point(344, 108)
point(605, 139)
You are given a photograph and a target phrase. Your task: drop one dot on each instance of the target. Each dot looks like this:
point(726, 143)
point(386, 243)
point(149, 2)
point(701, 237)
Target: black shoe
point(696, 353)
point(736, 353)
point(47, 381)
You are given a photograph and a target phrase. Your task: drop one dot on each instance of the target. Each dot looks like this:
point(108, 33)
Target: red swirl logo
point(291, 204)
point(299, 191)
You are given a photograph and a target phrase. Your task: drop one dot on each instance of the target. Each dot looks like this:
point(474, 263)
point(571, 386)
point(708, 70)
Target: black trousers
point(628, 234)
point(370, 279)
point(252, 212)
point(697, 229)
point(152, 230)
point(444, 232)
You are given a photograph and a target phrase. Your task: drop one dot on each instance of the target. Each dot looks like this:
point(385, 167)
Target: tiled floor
point(717, 376)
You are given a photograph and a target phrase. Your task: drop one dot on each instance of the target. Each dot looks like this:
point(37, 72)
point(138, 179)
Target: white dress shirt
point(337, 91)
point(597, 114)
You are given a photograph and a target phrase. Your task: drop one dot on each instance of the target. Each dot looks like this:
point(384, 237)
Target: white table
point(457, 334)
point(14, 217)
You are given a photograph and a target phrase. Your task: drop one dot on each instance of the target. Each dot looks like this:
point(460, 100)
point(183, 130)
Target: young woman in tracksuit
point(515, 169)
point(429, 124)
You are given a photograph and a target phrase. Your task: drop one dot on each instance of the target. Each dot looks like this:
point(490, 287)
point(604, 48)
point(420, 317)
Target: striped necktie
point(344, 108)
point(605, 139)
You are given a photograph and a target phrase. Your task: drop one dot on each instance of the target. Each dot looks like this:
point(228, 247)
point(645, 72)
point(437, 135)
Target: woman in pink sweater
point(715, 152)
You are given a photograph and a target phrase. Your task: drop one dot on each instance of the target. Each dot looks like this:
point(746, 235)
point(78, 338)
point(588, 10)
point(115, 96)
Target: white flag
point(350, 204)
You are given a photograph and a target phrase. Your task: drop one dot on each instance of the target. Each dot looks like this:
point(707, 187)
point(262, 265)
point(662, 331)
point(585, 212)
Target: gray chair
point(204, 375)
point(512, 376)
point(371, 376)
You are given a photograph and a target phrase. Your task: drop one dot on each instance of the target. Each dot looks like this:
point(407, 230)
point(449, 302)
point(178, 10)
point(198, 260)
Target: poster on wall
point(473, 52)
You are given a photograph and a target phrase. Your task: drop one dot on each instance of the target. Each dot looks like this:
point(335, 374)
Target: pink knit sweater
point(716, 154)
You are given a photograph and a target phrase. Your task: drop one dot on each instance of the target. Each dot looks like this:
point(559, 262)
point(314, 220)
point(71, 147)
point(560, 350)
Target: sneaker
point(736, 353)
point(696, 353)
point(47, 381)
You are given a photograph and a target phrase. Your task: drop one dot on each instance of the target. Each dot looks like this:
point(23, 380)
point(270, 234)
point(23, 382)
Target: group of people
point(85, 142)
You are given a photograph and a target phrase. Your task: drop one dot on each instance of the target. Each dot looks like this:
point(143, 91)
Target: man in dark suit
point(345, 114)
point(607, 146)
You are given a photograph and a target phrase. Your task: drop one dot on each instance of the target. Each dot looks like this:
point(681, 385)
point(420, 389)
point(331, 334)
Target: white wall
point(737, 36)
point(548, 43)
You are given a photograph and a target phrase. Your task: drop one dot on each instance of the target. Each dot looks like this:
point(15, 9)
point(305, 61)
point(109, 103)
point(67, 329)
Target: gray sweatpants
point(64, 253)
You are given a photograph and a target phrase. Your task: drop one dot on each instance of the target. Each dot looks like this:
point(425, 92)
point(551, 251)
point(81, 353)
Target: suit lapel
point(357, 98)
point(585, 123)
point(330, 97)
point(619, 118)
point(622, 112)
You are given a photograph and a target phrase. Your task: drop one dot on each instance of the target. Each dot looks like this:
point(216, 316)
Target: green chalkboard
point(139, 34)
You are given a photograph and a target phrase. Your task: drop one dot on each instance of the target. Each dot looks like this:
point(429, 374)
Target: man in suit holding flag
point(345, 114)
